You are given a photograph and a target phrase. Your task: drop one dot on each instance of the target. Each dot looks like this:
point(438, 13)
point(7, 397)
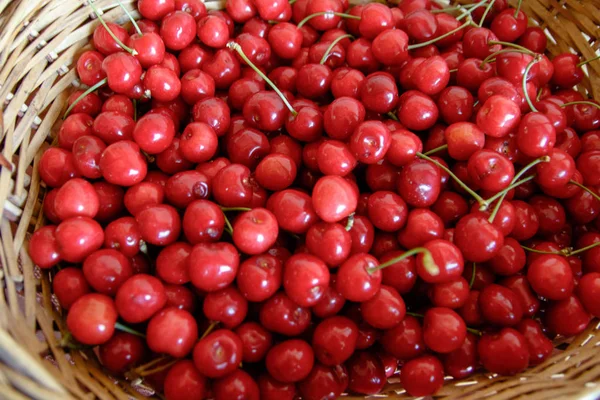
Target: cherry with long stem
point(135, 25)
point(332, 45)
point(428, 261)
point(82, 96)
point(124, 328)
point(115, 38)
point(238, 49)
point(518, 8)
point(321, 13)
point(535, 60)
point(583, 187)
point(492, 57)
point(436, 150)
point(486, 12)
point(585, 102)
point(482, 202)
point(438, 38)
point(470, 10)
point(581, 64)
point(417, 315)
point(228, 227)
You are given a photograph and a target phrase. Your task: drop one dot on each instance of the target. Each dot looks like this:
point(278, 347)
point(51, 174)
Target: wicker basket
point(40, 41)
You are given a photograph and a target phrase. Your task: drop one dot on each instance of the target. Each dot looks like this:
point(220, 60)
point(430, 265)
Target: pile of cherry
point(282, 200)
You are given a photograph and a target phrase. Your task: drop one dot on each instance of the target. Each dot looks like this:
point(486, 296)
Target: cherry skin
point(385, 310)
point(342, 116)
point(462, 362)
point(68, 285)
point(76, 238)
point(122, 164)
point(235, 385)
point(538, 345)
point(293, 209)
point(281, 315)
point(290, 361)
point(213, 266)
point(183, 381)
point(551, 277)
point(140, 297)
point(426, 110)
point(401, 275)
point(422, 376)
point(91, 319)
point(259, 277)
point(218, 354)
point(419, 183)
point(334, 340)
point(504, 353)
point(453, 294)
point(509, 260)
point(276, 172)
point(567, 317)
point(404, 145)
point(226, 306)
point(334, 198)
point(159, 225)
point(106, 270)
point(57, 166)
point(123, 72)
point(232, 186)
point(256, 341)
point(122, 352)
point(366, 373)
point(588, 291)
point(500, 305)
point(355, 281)
point(324, 382)
point(271, 389)
point(478, 240)
point(443, 330)
point(255, 231)
point(536, 136)
point(43, 247)
point(305, 279)
point(330, 242)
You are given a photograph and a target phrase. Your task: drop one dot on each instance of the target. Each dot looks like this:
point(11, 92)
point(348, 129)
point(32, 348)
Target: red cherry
point(551, 277)
point(226, 306)
point(305, 279)
point(324, 382)
point(213, 266)
point(504, 353)
point(385, 310)
point(159, 225)
point(334, 340)
point(91, 319)
point(184, 381)
point(500, 305)
point(139, 298)
point(69, 285)
point(218, 354)
point(366, 372)
point(122, 352)
point(172, 331)
point(76, 238)
point(256, 341)
point(422, 376)
point(290, 361)
point(538, 345)
point(462, 362)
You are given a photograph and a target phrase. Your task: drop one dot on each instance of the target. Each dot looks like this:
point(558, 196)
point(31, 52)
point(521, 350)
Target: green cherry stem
point(578, 251)
point(428, 261)
point(518, 8)
point(238, 49)
point(585, 102)
point(135, 111)
point(124, 328)
point(474, 331)
point(115, 38)
point(135, 25)
point(350, 222)
point(392, 116)
point(225, 209)
point(590, 191)
point(445, 35)
point(535, 60)
point(482, 202)
point(332, 45)
point(470, 10)
point(505, 191)
point(82, 95)
point(436, 150)
point(228, 227)
point(492, 57)
point(210, 328)
point(318, 14)
point(529, 249)
point(511, 45)
point(472, 280)
point(485, 14)
point(416, 315)
point(581, 64)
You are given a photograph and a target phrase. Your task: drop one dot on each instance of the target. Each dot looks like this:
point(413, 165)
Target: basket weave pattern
point(40, 41)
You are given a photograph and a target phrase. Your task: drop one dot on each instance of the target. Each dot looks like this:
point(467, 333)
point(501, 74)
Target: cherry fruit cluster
point(306, 198)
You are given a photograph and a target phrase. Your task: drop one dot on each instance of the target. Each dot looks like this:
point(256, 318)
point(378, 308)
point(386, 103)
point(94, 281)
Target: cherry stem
point(143, 247)
point(392, 116)
point(238, 49)
point(210, 328)
point(539, 94)
point(541, 251)
point(478, 198)
point(505, 191)
point(535, 60)
point(428, 261)
point(436, 150)
point(115, 38)
point(228, 227)
point(445, 35)
point(581, 64)
point(492, 57)
point(578, 251)
point(157, 369)
point(350, 222)
point(574, 103)
point(590, 191)
point(515, 179)
point(451, 9)
point(472, 280)
point(512, 45)
point(135, 111)
point(474, 331)
point(332, 45)
point(224, 209)
point(82, 95)
point(320, 13)
point(135, 25)
point(292, 2)
point(518, 8)
point(125, 328)
point(140, 369)
point(485, 14)
point(416, 315)
point(468, 12)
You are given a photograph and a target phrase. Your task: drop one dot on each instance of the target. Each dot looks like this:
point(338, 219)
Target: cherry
point(551, 277)
point(419, 183)
point(256, 341)
point(213, 266)
point(366, 373)
point(232, 186)
point(346, 82)
point(401, 275)
point(235, 385)
point(68, 285)
point(57, 166)
point(527, 222)
point(159, 225)
point(143, 195)
point(218, 354)
point(111, 201)
point(75, 239)
point(43, 247)
point(271, 389)
point(538, 345)
point(122, 164)
point(330, 242)
point(536, 136)
point(387, 211)
point(139, 298)
point(587, 292)
point(223, 67)
point(404, 146)
point(509, 260)
point(509, 25)
point(476, 43)
point(290, 361)
point(113, 126)
point(122, 352)
point(478, 239)
point(324, 382)
point(155, 9)
point(500, 305)
point(226, 306)
point(417, 111)
point(504, 353)
point(184, 187)
point(123, 72)
point(91, 319)
point(390, 47)
point(355, 281)
point(463, 361)
point(172, 331)
point(453, 294)
point(172, 263)
point(422, 376)
point(184, 381)
point(104, 42)
point(293, 209)
point(385, 310)
point(334, 340)
point(180, 297)
point(89, 65)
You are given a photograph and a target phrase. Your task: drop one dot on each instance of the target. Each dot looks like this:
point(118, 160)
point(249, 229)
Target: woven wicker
point(40, 41)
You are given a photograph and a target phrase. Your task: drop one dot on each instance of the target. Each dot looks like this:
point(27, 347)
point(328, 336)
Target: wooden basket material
point(39, 44)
